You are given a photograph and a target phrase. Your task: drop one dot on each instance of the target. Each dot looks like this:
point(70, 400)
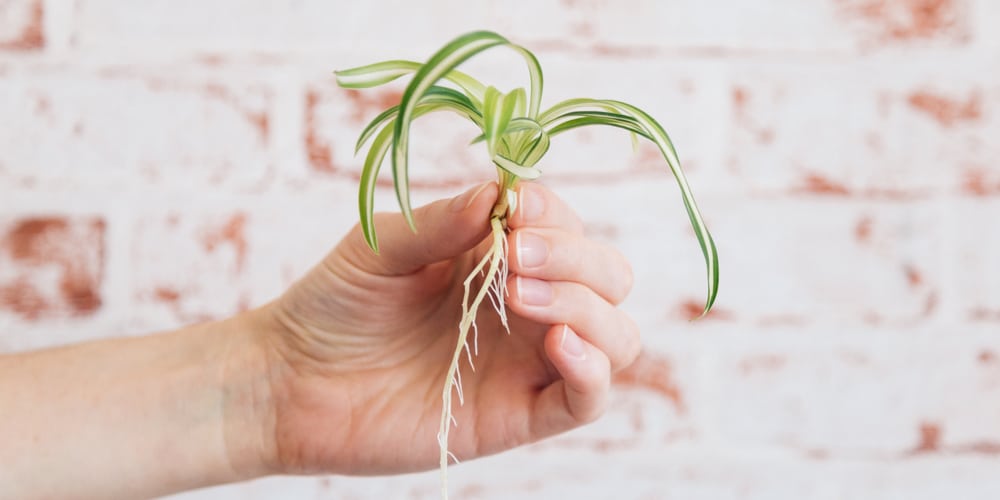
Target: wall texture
point(164, 162)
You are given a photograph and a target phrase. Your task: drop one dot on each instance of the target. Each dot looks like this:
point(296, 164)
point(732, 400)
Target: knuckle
point(592, 410)
point(633, 342)
point(627, 280)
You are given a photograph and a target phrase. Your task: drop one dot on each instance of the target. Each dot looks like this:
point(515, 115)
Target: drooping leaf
point(373, 75)
point(575, 119)
point(517, 131)
point(662, 140)
point(442, 62)
point(529, 173)
point(459, 102)
point(432, 102)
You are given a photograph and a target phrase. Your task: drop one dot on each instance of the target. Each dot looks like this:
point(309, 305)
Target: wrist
point(247, 396)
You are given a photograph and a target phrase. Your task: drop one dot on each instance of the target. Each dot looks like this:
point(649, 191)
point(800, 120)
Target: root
point(493, 266)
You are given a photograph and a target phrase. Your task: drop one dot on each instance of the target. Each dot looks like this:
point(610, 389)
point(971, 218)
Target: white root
point(494, 265)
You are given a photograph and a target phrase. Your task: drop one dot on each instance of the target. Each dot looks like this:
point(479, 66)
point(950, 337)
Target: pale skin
point(340, 375)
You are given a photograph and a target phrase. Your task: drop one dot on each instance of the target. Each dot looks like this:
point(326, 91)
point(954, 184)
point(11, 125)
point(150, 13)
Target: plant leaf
point(376, 156)
point(442, 62)
point(508, 165)
point(535, 77)
point(574, 119)
point(366, 191)
point(459, 102)
point(538, 148)
point(662, 140)
point(579, 103)
point(373, 75)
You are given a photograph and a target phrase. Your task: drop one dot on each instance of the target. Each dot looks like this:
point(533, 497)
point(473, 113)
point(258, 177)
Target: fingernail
point(572, 345)
point(464, 200)
point(534, 292)
point(530, 203)
point(532, 251)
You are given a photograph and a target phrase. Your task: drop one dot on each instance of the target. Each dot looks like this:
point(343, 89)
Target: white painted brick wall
point(190, 159)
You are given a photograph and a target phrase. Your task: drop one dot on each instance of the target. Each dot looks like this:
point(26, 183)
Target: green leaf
point(376, 156)
point(508, 165)
point(442, 62)
point(535, 78)
point(580, 103)
point(373, 75)
point(574, 119)
point(460, 103)
point(538, 148)
point(662, 140)
point(369, 174)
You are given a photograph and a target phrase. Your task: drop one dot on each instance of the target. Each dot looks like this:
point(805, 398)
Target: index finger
point(538, 206)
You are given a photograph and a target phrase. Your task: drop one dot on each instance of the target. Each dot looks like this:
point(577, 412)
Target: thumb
point(445, 229)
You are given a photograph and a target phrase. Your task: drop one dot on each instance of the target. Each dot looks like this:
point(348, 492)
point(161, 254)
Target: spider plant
point(517, 133)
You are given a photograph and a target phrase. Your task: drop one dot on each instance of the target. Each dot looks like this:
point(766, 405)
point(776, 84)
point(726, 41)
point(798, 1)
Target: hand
point(360, 345)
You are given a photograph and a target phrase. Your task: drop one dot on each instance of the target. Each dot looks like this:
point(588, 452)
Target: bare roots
point(493, 266)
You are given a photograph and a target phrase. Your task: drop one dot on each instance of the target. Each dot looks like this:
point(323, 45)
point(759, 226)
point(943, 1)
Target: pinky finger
point(581, 395)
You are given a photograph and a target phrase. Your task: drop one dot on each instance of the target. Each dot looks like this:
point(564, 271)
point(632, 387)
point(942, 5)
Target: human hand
point(360, 346)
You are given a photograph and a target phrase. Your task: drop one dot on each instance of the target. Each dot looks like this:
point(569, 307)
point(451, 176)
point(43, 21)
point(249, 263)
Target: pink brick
point(21, 26)
point(947, 22)
point(783, 260)
point(974, 266)
point(658, 399)
point(192, 25)
point(863, 130)
point(207, 260)
point(987, 12)
point(440, 155)
point(630, 28)
point(77, 128)
point(51, 266)
point(879, 394)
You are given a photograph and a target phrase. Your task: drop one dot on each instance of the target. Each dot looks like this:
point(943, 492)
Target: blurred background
point(166, 162)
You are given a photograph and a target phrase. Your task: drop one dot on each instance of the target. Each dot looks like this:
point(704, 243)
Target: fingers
point(558, 255)
point(445, 229)
point(582, 394)
point(537, 206)
point(591, 317)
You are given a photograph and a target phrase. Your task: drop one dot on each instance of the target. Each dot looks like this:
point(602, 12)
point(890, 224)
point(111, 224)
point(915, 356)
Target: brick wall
point(164, 162)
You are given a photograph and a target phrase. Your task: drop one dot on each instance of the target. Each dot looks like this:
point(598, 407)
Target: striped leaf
point(521, 171)
point(442, 62)
point(373, 75)
point(379, 148)
point(459, 102)
point(662, 140)
point(516, 130)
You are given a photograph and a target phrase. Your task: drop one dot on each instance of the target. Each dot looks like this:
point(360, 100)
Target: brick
point(782, 260)
point(659, 399)
point(869, 130)
point(21, 25)
point(654, 475)
point(987, 12)
point(166, 25)
point(876, 394)
point(212, 257)
point(51, 266)
point(440, 155)
point(946, 22)
point(631, 28)
point(76, 128)
point(973, 267)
